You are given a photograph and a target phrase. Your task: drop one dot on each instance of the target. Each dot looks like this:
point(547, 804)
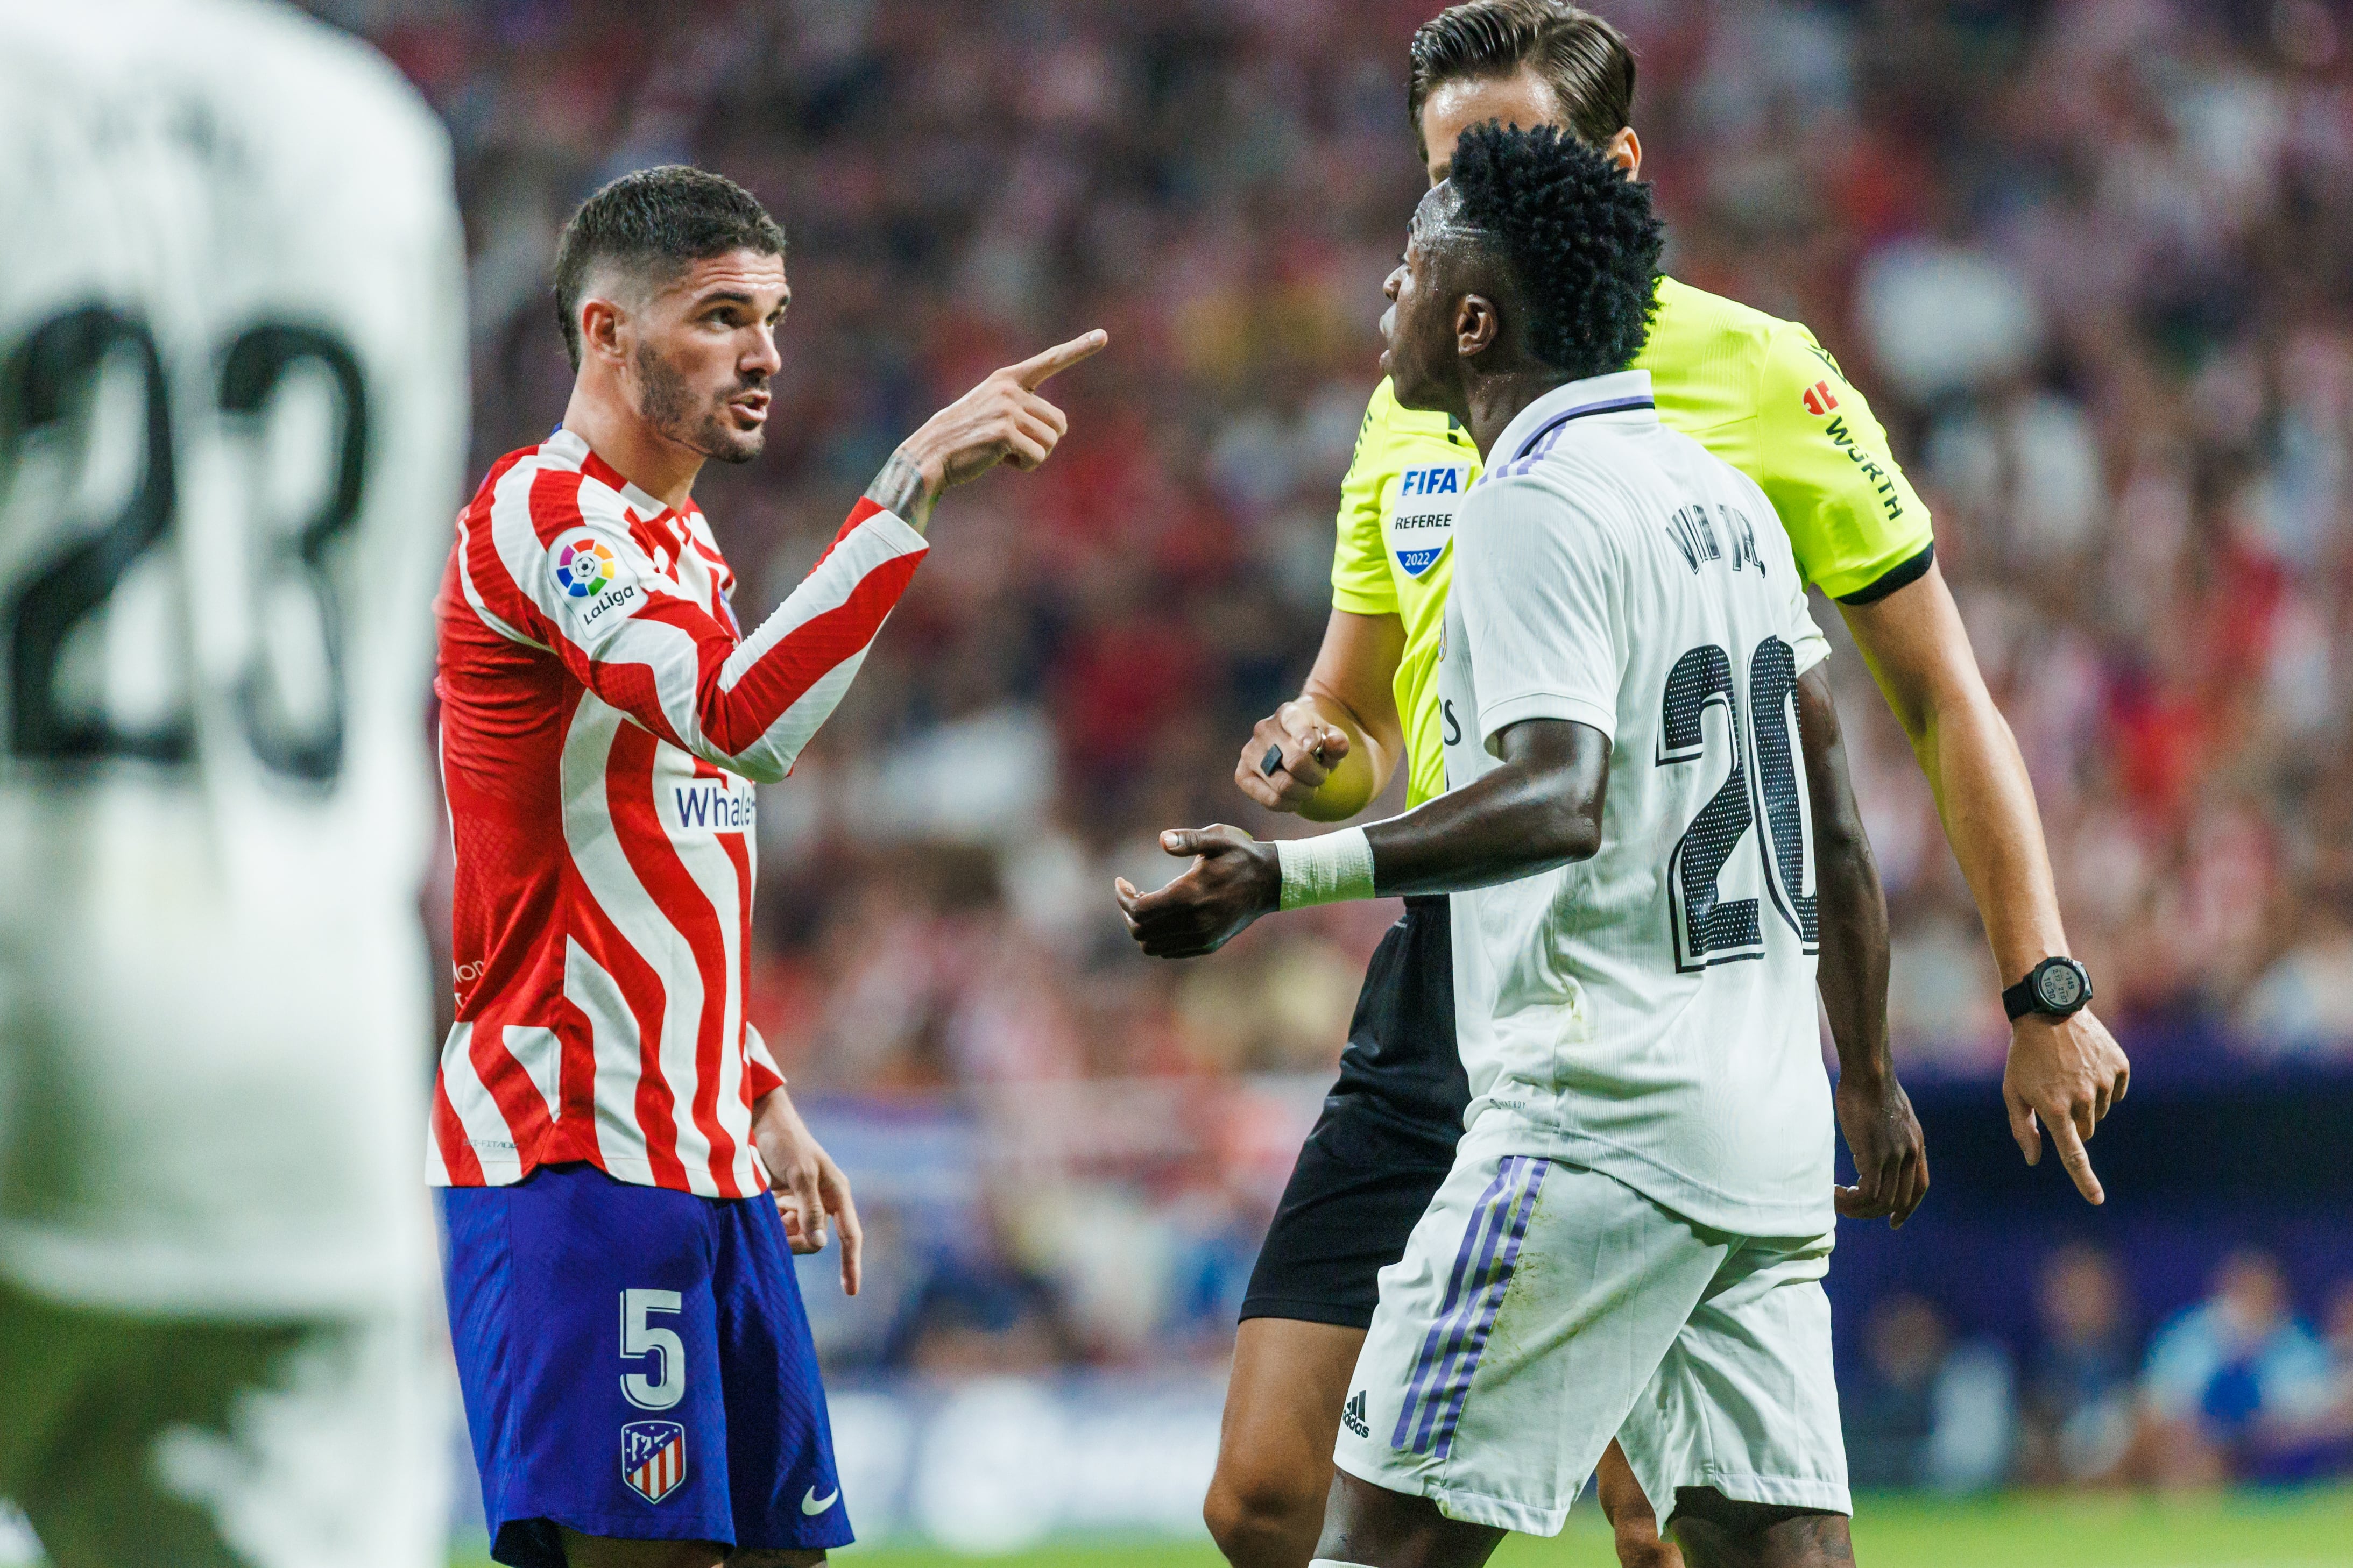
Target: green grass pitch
point(2282, 1529)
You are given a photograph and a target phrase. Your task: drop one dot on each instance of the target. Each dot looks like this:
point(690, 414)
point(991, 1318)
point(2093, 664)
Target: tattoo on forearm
point(900, 489)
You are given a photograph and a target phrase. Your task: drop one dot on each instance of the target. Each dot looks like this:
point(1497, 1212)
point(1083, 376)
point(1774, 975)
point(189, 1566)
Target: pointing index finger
point(1034, 370)
point(2078, 1163)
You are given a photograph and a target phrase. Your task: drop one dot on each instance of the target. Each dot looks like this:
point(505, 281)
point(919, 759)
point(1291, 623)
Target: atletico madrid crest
point(653, 1457)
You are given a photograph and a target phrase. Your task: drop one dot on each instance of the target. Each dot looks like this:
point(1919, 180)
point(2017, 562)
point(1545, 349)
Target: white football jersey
point(232, 418)
point(1649, 1011)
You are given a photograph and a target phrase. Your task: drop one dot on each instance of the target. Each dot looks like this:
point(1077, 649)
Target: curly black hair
point(1580, 237)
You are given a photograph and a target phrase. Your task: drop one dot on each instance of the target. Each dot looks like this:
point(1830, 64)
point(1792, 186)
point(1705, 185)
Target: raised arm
point(1891, 1157)
point(592, 592)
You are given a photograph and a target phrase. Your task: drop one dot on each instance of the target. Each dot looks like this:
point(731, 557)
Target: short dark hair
point(1587, 63)
point(656, 221)
point(1580, 237)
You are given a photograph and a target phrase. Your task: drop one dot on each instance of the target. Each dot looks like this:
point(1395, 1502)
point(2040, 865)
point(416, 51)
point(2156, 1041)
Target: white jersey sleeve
point(1544, 607)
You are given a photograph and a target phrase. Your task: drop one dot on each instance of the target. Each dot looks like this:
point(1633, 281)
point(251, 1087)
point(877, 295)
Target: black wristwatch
point(2056, 988)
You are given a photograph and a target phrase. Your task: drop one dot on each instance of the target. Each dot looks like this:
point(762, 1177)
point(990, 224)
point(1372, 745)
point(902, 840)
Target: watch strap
point(2019, 1000)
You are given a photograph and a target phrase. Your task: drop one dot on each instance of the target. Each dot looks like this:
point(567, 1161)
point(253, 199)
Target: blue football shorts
point(636, 1363)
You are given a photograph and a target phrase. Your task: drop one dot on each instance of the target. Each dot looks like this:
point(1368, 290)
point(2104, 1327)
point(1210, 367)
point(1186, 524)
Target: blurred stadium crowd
point(2089, 260)
point(2237, 1385)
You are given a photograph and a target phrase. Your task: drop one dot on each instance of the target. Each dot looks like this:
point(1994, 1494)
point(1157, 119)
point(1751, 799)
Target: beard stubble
point(669, 407)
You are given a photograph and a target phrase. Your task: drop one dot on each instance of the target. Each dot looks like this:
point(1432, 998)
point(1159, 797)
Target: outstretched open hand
point(1234, 878)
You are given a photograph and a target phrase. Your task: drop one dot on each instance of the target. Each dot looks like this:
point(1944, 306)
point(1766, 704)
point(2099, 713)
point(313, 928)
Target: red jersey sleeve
point(587, 591)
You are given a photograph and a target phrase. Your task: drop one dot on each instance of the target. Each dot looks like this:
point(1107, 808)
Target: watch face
point(2059, 986)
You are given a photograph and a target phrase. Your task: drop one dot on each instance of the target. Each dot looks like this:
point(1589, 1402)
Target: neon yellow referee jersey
point(1759, 392)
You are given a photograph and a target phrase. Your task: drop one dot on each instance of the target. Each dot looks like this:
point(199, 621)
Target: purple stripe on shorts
point(1450, 1352)
point(1468, 1335)
point(1461, 1384)
point(1426, 1364)
point(1466, 1310)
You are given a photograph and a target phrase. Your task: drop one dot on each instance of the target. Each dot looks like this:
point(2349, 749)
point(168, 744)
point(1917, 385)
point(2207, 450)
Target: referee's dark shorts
point(1384, 1142)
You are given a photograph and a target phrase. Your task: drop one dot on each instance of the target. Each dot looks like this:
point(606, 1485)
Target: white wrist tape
point(1329, 870)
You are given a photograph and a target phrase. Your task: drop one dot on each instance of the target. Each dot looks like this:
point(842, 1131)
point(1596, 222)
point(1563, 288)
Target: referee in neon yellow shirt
point(1761, 393)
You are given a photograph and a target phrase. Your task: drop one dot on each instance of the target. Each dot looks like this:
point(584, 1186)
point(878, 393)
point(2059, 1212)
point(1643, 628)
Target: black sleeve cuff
point(1903, 575)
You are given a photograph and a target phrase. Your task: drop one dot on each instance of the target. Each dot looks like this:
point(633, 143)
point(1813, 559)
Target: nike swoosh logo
point(809, 1503)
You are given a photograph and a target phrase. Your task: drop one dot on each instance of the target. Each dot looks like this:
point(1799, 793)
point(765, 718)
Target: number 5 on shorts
point(639, 1338)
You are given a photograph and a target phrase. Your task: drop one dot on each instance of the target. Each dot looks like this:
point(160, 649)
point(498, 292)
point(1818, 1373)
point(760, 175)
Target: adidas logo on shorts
point(1351, 1416)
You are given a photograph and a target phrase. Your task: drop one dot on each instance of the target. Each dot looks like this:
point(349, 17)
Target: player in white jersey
point(232, 415)
point(1633, 1236)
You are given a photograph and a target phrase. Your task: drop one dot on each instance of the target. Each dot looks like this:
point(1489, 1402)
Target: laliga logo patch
point(1423, 517)
point(583, 566)
point(653, 1457)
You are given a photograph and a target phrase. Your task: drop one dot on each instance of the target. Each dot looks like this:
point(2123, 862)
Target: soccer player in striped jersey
point(637, 1366)
point(1762, 394)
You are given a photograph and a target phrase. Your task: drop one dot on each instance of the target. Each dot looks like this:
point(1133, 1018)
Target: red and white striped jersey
point(603, 721)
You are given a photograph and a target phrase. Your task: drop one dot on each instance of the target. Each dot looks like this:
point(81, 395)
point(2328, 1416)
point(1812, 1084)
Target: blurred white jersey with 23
point(232, 418)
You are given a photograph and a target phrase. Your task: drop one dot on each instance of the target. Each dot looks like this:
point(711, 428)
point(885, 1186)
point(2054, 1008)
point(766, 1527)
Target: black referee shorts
point(1359, 1188)
point(1384, 1143)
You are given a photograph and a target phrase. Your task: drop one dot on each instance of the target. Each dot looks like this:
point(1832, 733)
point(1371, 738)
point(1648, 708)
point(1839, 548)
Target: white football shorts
point(1542, 1308)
